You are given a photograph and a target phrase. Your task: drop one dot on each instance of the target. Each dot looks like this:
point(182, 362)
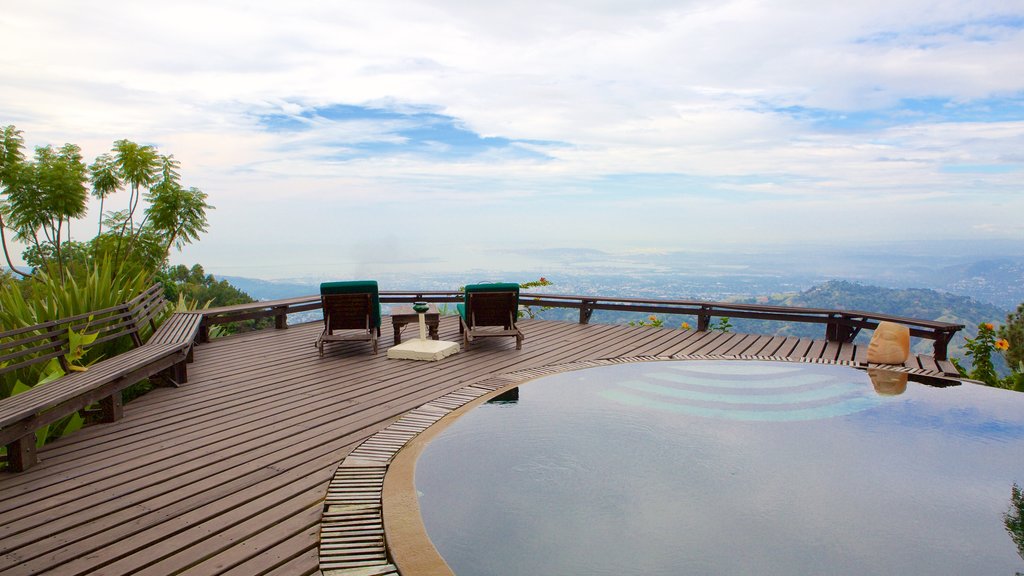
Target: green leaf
point(75, 423)
point(77, 341)
point(41, 435)
point(52, 371)
point(19, 387)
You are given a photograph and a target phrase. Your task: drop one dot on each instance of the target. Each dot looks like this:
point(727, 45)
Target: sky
point(351, 138)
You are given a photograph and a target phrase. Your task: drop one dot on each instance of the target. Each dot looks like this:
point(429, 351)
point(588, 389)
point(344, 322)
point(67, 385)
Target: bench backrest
point(31, 345)
point(351, 305)
point(494, 304)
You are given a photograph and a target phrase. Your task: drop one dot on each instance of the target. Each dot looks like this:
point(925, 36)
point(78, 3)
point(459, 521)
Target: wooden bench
point(21, 415)
point(180, 328)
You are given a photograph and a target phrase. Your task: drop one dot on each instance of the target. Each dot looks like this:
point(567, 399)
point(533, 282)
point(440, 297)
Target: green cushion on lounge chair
point(487, 287)
point(357, 287)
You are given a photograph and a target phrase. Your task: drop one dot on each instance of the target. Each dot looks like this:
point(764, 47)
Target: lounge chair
point(489, 306)
point(350, 306)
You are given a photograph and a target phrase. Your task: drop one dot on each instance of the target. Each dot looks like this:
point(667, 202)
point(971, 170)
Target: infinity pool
point(727, 467)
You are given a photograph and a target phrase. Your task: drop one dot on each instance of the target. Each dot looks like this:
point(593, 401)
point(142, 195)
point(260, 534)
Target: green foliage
point(29, 303)
point(193, 289)
point(652, 321)
point(980, 350)
point(78, 341)
point(722, 325)
point(137, 167)
point(1013, 333)
point(147, 253)
point(194, 284)
point(105, 180)
point(40, 198)
point(44, 195)
point(12, 162)
point(656, 322)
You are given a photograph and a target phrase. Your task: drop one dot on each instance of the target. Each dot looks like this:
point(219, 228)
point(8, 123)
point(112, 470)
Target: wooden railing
point(840, 325)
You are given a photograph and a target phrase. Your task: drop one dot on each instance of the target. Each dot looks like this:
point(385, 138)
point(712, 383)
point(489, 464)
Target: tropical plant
point(47, 299)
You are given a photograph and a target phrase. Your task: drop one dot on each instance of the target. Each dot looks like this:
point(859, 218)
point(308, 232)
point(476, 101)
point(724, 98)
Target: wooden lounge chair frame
point(350, 306)
point(487, 307)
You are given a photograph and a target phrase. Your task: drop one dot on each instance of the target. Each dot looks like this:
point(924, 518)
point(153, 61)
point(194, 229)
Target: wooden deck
point(227, 474)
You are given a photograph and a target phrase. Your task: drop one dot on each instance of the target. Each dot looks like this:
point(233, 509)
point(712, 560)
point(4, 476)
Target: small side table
point(403, 315)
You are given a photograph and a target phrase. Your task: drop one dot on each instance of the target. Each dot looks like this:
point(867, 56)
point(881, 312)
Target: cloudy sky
point(347, 137)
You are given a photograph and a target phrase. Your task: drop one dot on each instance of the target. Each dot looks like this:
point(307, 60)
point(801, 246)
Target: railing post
point(837, 332)
point(703, 320)
point(280, 317)
point(941, 344)
point(585, 310)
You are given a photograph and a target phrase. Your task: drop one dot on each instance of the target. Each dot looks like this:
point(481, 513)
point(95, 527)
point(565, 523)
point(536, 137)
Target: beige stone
point(887, 382)
point(890, 344)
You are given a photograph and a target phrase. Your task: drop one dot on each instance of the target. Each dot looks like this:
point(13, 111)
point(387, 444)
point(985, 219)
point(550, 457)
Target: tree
point(12, 162)
point(178, 214)
point(45, 195)
point(136, 166)
point(40, 198)
point(105, 181)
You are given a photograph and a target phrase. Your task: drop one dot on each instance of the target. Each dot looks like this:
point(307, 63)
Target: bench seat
point(180, 328)
point(21, 415)
point(165, 354)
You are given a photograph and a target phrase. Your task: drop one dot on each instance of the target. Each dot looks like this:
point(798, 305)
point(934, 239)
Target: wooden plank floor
point(227, 474)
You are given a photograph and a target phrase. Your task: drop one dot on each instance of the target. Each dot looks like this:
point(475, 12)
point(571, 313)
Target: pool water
point(727, 467)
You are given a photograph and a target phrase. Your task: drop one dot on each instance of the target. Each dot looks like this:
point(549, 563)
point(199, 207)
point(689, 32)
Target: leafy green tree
point(40, 199)
point(137, 166)
point(193, 289)
point(178, 214)
point(45, 196)
point(103, 173)
point(12, 163)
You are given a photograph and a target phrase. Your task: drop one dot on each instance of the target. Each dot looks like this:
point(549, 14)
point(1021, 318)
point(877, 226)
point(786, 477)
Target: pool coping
point(354, 527)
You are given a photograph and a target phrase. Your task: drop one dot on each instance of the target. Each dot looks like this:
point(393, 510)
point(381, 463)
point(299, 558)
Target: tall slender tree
point(12, 163)
point(105, 180)
point(137, 166)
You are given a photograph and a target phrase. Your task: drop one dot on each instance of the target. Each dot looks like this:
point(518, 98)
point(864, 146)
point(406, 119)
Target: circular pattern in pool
point(727, 467)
